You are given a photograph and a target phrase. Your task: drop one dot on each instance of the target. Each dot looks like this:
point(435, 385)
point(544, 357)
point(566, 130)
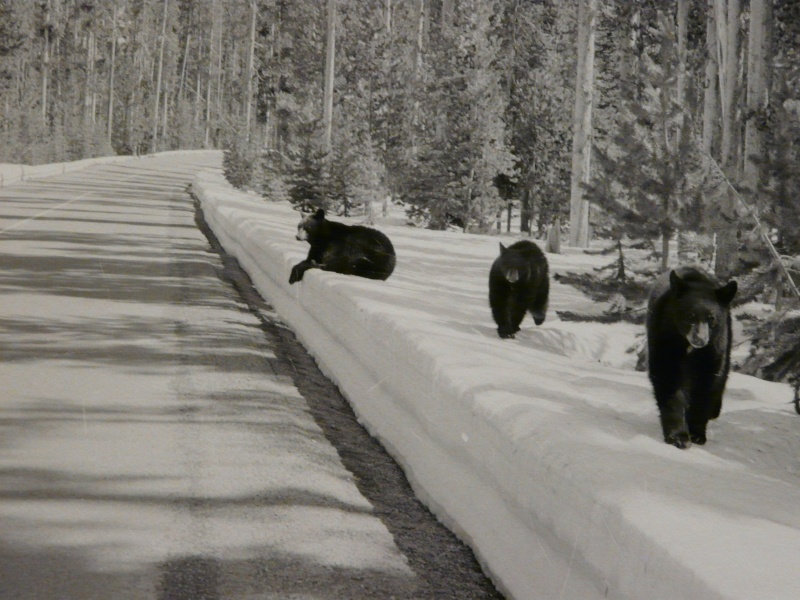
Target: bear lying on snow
point(689, 350)
point(347, 249)
point(518, 282)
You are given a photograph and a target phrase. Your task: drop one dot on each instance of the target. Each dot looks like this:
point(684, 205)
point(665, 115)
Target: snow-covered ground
point(544, 453)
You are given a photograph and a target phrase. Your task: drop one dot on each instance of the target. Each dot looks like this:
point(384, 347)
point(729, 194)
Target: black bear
point(348, 249)
point(518, 282)
point(689, 351)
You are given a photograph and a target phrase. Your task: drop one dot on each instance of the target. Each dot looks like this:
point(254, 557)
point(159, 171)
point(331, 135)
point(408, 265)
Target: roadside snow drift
point(544, 453)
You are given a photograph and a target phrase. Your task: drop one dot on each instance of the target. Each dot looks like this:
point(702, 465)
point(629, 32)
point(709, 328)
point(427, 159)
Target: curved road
point(163, 436)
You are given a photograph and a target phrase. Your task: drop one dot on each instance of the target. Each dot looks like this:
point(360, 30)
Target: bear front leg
point(299, 270)
point(500, 312)
point(505, 329)
point(697, 420)
point(670, 399)
point(516, 313)
point(673, 420)
point(708, 376)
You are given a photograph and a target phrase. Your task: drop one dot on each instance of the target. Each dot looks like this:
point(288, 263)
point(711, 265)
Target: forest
point(657, 127)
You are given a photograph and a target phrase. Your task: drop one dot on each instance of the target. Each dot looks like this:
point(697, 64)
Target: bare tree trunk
point(210, 71)
point(182, 83)
point(725, 217)
point(198, 89)
point(683, 27)
point(94, 82)
point(88, 98)
point(757, 86)
point(46, 64)
point(164, 115)
point(421, 19)
point(330, 56)
point(727, 17)
point(158, 79)
point(710, 93)
point(251, 54)
point(582, 125)
point(682, 18)
point(112, 69)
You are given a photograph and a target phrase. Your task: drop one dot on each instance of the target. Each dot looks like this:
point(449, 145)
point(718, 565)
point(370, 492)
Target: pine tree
point(308, 177)
point(648, 176)
point(462, 144)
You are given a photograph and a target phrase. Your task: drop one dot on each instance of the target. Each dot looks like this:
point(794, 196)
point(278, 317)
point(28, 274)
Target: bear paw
point(679, 439)
point(698, 438)
point(297, 274)
point(506, 335)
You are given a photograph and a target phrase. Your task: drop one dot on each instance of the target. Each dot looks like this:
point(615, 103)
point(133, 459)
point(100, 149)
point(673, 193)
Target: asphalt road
point(162, 435)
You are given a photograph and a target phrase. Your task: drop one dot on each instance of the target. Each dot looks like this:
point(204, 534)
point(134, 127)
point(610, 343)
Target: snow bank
point(543, 453)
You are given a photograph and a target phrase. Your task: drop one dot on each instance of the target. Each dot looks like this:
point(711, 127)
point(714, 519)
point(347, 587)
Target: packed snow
point(544, 453)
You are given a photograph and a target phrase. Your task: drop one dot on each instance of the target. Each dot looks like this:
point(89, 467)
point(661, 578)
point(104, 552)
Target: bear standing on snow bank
point(347, 249)
point(689, 351)
point(518, 282)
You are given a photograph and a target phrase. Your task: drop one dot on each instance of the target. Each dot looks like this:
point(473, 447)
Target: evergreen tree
point(539, 79)
point(462, 133)
point(308, 180)
point(648, 176)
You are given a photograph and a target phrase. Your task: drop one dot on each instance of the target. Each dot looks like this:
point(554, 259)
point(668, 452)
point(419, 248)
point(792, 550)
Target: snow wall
point(548, 462)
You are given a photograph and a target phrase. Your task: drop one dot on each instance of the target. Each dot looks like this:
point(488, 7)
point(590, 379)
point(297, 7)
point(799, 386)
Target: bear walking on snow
point(689, 350)
point(347, 249)
point(518, 282)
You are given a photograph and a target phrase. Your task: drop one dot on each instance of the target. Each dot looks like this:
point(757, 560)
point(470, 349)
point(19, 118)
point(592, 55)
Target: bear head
point(311, 226)
point(700, 306)
point(513, 265)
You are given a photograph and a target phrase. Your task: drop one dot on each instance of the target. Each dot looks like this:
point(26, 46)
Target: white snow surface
point(544, 453)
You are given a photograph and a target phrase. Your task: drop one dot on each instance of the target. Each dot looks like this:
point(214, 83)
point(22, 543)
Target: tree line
point(645, 119)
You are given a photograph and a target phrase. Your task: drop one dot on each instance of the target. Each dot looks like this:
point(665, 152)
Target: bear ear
point(502, 248)
point(675, 282)
point(726, 293)
point(319, 215)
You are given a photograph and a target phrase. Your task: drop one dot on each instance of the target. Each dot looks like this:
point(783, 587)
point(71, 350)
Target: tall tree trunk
point(112, 70)
point(725, 219)
point(158, 79)
point(182, 83)
point(330, 55)
point(759, 48)
point(582, 125)
point(251, 55)
point(683, 27)
point(210, 71)
point(164, 117)
point(421, 20)
point(88, 98)
point(682, 18)
point(727, 17)
point(710, 113)
point(46, 64)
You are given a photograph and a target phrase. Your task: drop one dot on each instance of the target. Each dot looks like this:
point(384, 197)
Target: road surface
point(163, 436)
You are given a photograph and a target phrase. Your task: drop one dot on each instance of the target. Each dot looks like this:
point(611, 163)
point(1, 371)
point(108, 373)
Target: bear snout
point(512, 276)
point(698, 335)
point(301, 235)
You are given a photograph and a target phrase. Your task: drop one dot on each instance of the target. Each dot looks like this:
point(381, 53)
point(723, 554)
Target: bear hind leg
point(538, 307)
